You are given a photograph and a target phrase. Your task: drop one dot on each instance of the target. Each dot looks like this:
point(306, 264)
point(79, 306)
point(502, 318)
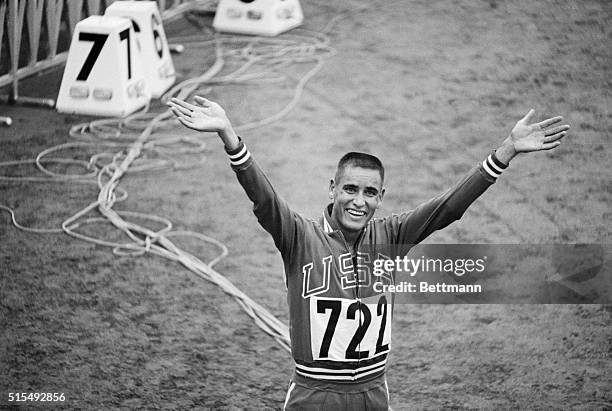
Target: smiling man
point(357, 191)
point(340, 323)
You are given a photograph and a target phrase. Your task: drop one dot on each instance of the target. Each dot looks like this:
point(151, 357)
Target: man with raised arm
point(340, 326)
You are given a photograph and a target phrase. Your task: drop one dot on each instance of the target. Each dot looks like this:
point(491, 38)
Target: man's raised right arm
point(271, 210)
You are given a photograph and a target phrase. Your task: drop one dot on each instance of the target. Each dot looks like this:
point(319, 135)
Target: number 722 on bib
point(345, 329)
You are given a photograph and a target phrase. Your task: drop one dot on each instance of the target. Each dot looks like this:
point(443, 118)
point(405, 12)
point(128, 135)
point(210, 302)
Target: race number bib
point(343, 329)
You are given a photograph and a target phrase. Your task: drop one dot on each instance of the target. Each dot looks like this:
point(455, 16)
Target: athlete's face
point(357, 193)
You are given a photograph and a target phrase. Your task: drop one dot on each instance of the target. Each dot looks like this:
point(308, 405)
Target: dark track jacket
point(340, 327)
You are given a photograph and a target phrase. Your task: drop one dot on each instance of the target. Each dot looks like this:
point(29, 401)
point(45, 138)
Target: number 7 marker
point(104, 74)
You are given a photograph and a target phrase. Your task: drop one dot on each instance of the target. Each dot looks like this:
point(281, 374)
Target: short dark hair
point(357, 159)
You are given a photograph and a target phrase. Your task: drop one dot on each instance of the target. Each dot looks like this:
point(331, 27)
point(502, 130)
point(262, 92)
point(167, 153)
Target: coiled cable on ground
point(121, 143)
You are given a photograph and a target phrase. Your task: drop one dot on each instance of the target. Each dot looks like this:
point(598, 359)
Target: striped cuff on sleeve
point(493, 166)
point(239, 155)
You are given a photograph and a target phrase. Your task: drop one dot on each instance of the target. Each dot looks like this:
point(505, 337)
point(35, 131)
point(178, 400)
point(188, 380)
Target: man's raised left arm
point(435, 214)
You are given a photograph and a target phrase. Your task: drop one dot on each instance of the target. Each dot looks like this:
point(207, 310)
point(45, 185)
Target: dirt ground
point(429, 86)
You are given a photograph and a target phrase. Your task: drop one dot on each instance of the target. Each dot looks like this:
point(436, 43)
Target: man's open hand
point(205, 116)
point(526, 137)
